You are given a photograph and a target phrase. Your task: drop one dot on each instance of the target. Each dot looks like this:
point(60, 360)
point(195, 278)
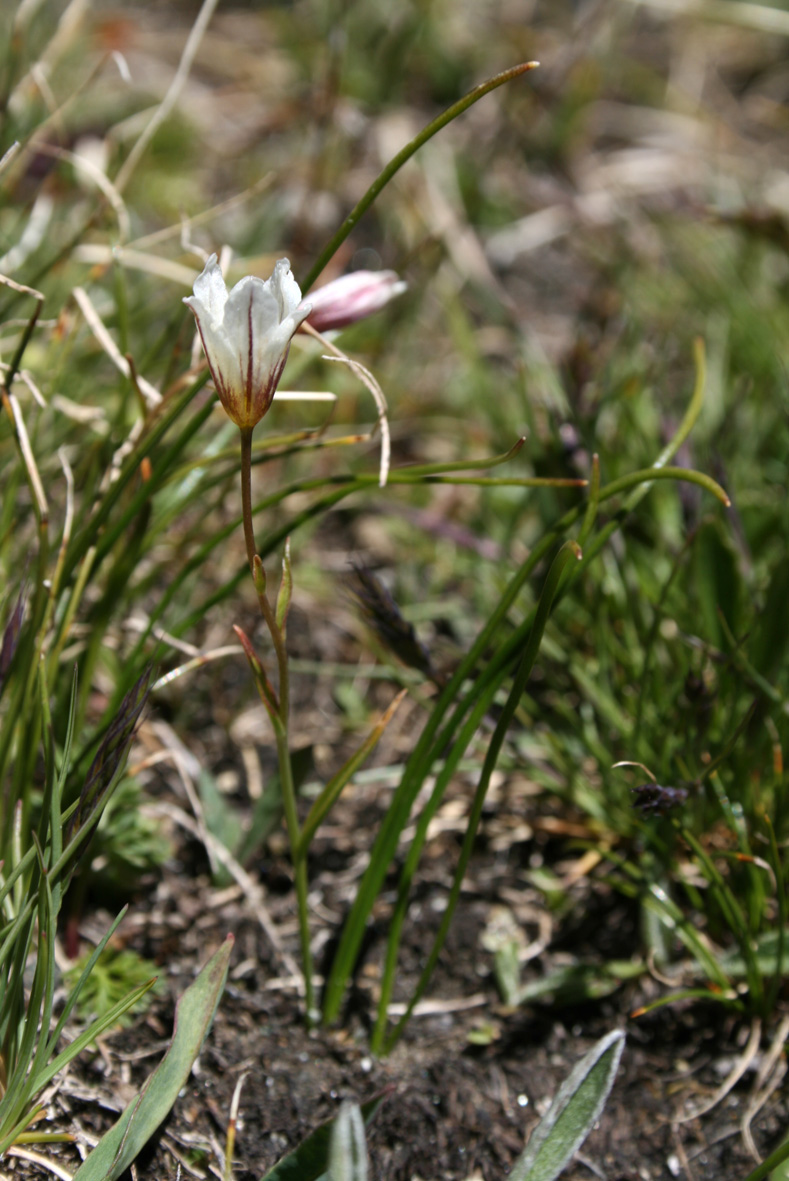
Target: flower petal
point(286, 288)
point(210, 290)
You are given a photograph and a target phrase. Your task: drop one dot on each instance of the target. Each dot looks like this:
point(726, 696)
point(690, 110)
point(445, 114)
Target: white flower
point(352, 297)
point(246, 335)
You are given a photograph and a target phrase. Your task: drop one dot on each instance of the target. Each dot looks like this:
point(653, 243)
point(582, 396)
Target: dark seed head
point(384, 617)
point(651, 798)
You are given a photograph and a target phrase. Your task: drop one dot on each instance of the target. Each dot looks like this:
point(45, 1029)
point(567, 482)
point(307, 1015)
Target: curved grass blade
point(397, 162)
point(642, 479)
point(695, 994)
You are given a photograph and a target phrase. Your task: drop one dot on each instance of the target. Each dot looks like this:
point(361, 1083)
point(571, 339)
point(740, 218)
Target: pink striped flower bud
point(352, 297)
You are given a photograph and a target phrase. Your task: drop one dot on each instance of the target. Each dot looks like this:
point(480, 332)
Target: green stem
point(277, 636)
point(246, 496)
point(299, 856)
point(762, 1171)
point(280, 722)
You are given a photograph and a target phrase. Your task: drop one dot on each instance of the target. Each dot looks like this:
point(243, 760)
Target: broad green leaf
point(348, 1147)
point(573, 983)
point(193, 1016)
point(310, 1161)
point(573, 1113)
point(223, 821)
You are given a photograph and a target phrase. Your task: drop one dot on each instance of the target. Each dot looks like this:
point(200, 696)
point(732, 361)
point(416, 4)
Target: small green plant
point(741, 894)
point(112, 976)
point(246, 334)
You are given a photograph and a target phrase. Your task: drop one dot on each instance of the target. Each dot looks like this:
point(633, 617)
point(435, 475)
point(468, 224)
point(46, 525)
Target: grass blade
point(333, 789)
point(570, 551)
point(397, 162)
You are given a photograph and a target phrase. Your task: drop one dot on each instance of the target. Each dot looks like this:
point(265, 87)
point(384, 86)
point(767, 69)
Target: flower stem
point(246, 495)
point(277, 636)
point(280, 721)
point(299, 863)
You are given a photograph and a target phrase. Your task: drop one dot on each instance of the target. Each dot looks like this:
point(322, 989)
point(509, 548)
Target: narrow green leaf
point(423, 755)
point(643, 478)
point(94, 1030)
point(8, 1135)
point(333, 789)
point(580, 982)
point(195, 1011)
point(397, 162)
point(573, 1113)
point(769, 1166)
point(73, 996)
point(672, 917)
point(485, 696)
point(696, 994)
